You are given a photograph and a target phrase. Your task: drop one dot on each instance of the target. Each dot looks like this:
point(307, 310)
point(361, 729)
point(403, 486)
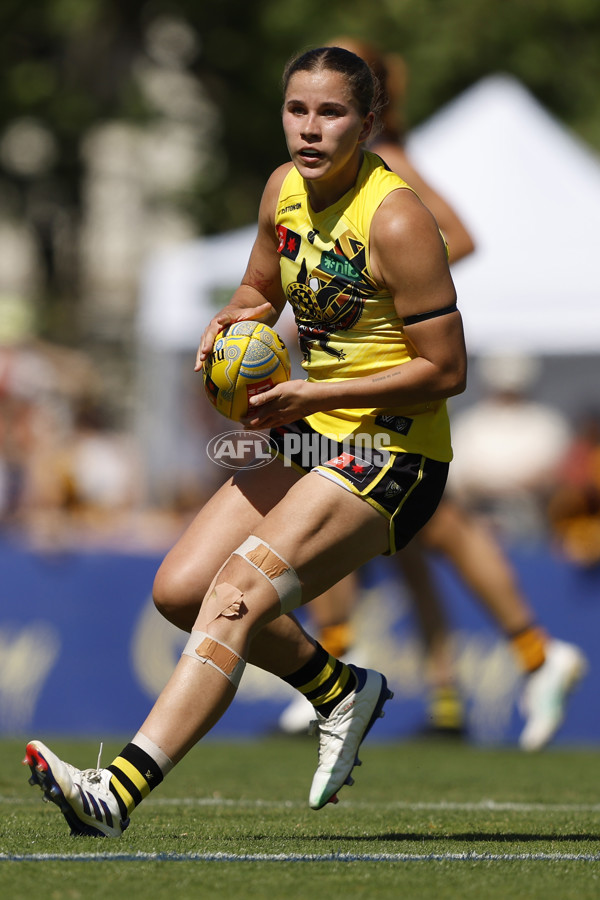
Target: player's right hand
point(226, 317)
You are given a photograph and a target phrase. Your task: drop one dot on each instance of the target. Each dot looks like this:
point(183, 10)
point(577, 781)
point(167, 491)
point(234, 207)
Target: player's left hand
point(283, 404)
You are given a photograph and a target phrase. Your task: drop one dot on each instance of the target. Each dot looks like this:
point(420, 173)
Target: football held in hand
point(248, 358)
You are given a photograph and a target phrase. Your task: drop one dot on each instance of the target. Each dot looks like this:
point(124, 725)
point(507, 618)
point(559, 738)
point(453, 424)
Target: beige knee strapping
point(225, 600)
point(275, 569)
point(207, 649)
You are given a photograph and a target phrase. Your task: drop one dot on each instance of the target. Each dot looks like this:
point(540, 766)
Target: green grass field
point(424, 820)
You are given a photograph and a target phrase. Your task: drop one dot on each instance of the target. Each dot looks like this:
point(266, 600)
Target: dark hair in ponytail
point(361, 79)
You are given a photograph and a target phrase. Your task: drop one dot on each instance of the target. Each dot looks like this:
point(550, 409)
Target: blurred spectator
point(82, 480)
point(29, 394)
point(103, 468)
point(68, 477)
point(574, 506)
point(87, 489)
point(507, 448)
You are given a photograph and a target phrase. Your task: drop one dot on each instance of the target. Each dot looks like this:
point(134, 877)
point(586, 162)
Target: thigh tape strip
point(207, 649)
point(275, 569)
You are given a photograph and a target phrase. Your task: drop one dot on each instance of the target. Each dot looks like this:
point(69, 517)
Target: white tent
point(530, 193)
point(526, 187)
point(182, 288)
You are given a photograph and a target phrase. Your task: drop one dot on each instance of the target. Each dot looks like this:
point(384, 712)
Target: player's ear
point(367, 128)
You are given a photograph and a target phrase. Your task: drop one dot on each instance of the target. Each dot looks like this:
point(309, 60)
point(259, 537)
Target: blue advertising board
point(84, 653)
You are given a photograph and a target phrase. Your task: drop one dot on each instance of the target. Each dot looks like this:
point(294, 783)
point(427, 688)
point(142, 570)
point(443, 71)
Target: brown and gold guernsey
point(347, 324)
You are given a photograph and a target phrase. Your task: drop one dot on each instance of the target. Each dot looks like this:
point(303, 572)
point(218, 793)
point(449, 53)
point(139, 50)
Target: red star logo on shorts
point(354, 468)
point(341, 461)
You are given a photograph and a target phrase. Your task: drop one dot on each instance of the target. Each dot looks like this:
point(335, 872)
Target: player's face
point(323, 127)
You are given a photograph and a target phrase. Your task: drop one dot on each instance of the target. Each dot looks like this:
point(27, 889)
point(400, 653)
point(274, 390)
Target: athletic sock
point(446, 711)
point(323, 680)
point(529, 645)
point(137, 770)
point(337, 639)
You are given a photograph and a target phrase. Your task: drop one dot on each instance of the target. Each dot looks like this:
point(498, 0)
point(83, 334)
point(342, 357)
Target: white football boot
point(342, 733)
point(83, 796)
point(544, 699)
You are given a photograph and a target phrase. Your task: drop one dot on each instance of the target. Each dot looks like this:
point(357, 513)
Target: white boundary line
point(442, 805)
point(299, 857)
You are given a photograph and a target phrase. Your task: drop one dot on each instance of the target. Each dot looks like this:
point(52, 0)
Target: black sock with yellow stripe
point(323, 680)
point(137, 771)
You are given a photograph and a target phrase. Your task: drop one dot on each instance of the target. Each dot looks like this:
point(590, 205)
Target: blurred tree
point(67, 65)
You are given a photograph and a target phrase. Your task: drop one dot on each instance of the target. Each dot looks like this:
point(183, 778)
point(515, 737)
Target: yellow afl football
point(247, 358)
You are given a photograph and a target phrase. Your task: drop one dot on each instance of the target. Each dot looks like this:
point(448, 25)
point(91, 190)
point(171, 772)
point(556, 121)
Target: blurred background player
point(551, 667)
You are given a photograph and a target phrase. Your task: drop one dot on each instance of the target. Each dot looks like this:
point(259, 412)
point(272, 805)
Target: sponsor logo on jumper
point(336, 264)
point(289, 242)
point(291, 208)
point(399, 424)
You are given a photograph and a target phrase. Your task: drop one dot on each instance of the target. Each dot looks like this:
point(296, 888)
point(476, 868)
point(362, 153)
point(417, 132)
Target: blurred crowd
point(71, 476)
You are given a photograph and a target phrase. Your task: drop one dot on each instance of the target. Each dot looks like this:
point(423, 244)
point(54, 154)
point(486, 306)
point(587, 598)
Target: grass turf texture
point(424, 820)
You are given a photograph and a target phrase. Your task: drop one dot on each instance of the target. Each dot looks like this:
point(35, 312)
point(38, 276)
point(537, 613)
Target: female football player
point(363, 447)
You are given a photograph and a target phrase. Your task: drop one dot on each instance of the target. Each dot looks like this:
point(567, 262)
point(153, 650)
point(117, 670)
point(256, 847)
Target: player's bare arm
point(260, 295)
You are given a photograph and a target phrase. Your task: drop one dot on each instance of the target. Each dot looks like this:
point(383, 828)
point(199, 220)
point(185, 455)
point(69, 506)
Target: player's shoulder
point(278, 176)
point(272, 191)
point(402, 214)
point(404, 234)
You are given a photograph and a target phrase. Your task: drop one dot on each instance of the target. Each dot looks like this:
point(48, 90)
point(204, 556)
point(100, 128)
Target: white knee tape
point(275, 569)
point(207, 649)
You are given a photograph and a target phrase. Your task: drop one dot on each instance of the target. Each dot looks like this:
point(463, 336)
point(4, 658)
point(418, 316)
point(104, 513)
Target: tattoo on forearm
point(385, 376)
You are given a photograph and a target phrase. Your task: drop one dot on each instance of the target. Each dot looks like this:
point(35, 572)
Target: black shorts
point(404, 487)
